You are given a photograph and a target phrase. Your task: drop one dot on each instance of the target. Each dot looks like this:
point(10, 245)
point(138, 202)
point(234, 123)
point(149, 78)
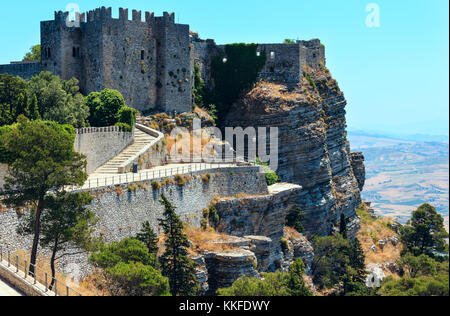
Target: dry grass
point(208, 241)
point(85, 287)
point(373, 230)
point(291, 233)
point(274, 92)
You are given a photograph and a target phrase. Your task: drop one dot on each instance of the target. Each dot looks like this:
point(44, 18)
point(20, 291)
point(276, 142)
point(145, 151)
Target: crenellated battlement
point(103, 14)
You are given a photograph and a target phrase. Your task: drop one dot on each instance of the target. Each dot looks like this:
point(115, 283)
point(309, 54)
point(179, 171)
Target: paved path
point(102, 180)
point(6, 290)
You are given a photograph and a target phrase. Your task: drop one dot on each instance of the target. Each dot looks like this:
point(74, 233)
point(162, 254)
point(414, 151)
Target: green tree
point(136, 279)
point(331, 260)
point(45, 162)
point(425, 233)
point(294, 219)
point(289, 41)
point(417, 266)
point(34, 54)
point(296, 283)
point(272, 284)
point(129, 269)
point(66, 222)
point(105, 107)
point(32, 111)
point(59, 100)
point(148, 237)
point(13, 98)
point(175, 262)
point(357, 261)
point(343, 226)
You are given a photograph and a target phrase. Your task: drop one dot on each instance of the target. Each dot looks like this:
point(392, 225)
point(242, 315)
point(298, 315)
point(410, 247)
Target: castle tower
point(61, 46)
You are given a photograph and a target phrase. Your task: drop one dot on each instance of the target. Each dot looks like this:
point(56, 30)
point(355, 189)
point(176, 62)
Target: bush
point(107, 108)
point(180, 180)
point(124, 127)
point(156, 185)
point(206, 177)
point(271, 176)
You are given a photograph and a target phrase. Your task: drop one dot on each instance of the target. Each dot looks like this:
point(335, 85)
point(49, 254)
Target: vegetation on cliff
point(272, 284)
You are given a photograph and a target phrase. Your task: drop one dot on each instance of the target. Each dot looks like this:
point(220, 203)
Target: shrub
point(180, 180)
point(156, 185)
point(206, 177)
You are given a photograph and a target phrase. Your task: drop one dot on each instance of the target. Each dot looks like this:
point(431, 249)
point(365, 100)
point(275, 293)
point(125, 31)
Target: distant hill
point(402, 174)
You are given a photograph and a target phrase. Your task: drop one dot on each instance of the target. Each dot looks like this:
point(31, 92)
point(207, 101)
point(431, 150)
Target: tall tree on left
point(44, 163)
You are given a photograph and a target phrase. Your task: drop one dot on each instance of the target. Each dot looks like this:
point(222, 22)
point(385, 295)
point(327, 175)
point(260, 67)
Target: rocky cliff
point(313, 148)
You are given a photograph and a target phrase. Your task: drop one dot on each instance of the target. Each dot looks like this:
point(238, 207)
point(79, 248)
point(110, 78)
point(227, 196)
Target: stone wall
point(100, 144)
point(122, 210)
point(3, 173)
point(25, 70)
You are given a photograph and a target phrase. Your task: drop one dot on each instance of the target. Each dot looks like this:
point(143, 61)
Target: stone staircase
point(141, 140)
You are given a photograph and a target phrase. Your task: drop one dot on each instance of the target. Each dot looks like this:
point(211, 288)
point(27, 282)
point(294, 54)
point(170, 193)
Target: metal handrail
point(39, 276)
point(154, 174)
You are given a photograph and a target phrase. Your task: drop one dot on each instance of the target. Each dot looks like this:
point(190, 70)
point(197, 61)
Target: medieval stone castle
point(150, 62)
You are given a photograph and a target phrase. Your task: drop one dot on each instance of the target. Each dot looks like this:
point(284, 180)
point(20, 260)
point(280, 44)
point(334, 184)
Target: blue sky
point(395, 77)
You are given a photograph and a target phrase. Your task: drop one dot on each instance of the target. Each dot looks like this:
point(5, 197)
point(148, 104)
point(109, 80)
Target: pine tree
point(175, 263)
point(148, 237)
point(357, 261)
point(343, 227)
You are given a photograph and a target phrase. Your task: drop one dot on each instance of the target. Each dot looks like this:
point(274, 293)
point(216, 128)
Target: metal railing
point(154, 174)
point(40, 278)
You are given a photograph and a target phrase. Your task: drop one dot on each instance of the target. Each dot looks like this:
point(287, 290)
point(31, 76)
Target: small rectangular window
point(272, 55)
point(142, 55)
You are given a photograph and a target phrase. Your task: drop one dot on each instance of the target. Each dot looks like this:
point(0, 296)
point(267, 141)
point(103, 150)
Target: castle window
point(142, 55)
point(76, 52)
point(258, 54)
point(225, 60)
point(272, 55)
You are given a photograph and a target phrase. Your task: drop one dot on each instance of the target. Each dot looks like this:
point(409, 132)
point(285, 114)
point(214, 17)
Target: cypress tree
point(343, 227)
point(148, 237)
point(357, 261)
point(175, 263)
point(32, 111)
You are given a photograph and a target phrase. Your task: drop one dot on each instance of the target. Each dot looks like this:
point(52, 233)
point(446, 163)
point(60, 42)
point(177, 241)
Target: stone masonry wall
point(3, 172)
point(25, 70)
point(101, 144)
point(122, 210)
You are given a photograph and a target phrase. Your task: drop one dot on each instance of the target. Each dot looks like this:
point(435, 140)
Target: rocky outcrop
point(375, 276)
point(359, 169)
point(313, 148)
point(259, 215)
point(225, 268)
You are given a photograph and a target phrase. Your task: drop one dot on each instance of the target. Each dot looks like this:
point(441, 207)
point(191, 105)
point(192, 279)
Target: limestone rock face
point(359, 169)
point(225, 268)
point(313, 149)
point(299, 247)
point(259, 215)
